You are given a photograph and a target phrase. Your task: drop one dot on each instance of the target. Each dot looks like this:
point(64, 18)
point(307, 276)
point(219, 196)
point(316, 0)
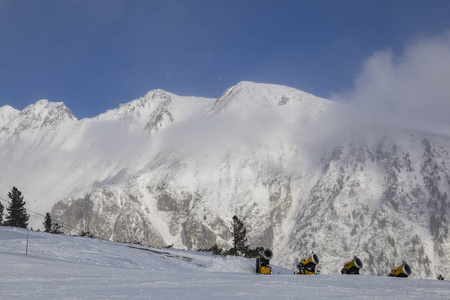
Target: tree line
point(16, 215)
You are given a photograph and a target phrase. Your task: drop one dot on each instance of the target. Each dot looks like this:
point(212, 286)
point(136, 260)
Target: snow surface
point(71, 267)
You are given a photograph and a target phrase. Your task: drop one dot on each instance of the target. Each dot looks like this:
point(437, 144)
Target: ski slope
point(71, 267)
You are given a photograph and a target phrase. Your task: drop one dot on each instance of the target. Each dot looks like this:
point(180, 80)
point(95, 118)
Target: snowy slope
point(67, 267)
point(302, 172)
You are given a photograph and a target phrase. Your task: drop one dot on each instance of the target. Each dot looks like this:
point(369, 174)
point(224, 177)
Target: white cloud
point(410, 90)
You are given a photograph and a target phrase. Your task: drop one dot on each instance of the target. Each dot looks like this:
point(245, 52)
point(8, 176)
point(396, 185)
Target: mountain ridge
point(166, 169)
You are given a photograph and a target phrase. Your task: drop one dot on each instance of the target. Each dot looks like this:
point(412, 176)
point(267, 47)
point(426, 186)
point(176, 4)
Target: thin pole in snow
point(26, 252)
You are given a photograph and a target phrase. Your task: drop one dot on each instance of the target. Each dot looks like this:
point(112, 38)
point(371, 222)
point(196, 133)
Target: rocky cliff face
point(167, 170)
point(379, 202)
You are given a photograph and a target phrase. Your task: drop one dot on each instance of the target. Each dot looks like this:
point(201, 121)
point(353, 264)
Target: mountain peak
point(257, 96)
point(158, 93)
point(44, 113)
point(143, 101)
point(7, 113)
point(176, 172)
point(45, 107)
point(8, 108)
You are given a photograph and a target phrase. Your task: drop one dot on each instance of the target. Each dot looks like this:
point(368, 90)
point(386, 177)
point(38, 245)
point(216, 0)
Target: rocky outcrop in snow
point(165, 169)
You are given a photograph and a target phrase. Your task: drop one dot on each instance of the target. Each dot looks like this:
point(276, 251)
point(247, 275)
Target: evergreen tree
point(47, 223)
point(1, 214)
point(56, 228)
point(240, 246)
point(52, 227)
point(18, 216)
point(216, 250)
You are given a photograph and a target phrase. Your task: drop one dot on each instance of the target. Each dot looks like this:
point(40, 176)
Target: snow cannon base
point(306, 272)
point(265, 270)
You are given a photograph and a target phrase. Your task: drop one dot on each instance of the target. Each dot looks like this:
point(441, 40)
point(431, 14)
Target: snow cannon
point(262, 262)
point(352, 267)
point(307, 266)
point(402, 271)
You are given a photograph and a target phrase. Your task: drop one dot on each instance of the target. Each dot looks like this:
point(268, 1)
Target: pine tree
point(47, 223)
point(216, 250)
point(1, 214)
point(240, 246)
point(18, 216)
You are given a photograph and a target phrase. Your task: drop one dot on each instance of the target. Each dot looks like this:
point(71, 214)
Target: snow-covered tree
point(17, 214)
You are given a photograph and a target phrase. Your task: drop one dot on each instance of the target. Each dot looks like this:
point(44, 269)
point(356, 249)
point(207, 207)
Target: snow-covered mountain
point(303, 173)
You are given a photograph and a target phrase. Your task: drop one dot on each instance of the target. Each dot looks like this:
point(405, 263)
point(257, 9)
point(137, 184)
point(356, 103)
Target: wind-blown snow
point(69, 267)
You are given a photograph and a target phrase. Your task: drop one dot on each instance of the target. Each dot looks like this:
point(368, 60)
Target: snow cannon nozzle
point(406, 269)
point(358, 262)
point(267, 254)
point(312, 258)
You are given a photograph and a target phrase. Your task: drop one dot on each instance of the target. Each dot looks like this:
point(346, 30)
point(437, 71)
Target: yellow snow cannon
point(352, 267)
point(402, 271)
point(262, 262)
point(307, 266)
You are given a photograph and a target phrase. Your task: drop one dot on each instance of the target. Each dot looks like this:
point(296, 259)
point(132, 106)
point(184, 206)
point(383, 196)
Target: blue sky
point(94, 55)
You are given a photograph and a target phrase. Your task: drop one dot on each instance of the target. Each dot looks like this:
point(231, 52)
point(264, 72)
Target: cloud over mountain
point(304, 174)
point(410, 88)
